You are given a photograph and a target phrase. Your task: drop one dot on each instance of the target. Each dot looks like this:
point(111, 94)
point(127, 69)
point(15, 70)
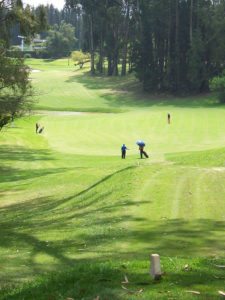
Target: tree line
point(172, 45)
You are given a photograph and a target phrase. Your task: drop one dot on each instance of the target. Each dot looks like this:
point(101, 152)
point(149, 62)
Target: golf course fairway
point(76, 218)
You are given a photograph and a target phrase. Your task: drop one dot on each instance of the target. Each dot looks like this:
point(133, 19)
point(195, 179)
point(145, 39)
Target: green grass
point(59, 86)
point(88, 281)
point(207, 158)
point(75, 218)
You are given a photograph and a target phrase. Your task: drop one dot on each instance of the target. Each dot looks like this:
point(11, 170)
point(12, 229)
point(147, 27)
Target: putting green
point(103, 134)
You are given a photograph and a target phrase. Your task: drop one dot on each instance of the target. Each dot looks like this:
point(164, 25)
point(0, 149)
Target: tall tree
point(60, 40)
point(180, 44)
point(88, 7)
point(126, 30)
point(15, 87)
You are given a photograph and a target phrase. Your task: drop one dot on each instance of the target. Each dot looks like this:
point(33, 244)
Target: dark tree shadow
point(23, 222)
point(128, 92)
point(10, 154)
point(19, 153)
point(94, 221)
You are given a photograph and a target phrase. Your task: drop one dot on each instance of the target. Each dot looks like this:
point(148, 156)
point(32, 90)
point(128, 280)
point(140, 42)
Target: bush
point(80, 58)
point(27, 55)
point(217, 84)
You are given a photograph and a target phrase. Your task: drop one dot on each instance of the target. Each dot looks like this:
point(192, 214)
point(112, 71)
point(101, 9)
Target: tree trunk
point(177, 52)
point(115, 63)
point(191, 22)
point(81, 34)
point(110, 71)
point(92, 46)
point(126, 34)
point(101, 54)
point(168, 59)
point(115, 52)
point(124, 60)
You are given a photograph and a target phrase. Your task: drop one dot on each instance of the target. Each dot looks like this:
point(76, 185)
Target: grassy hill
point(75, 218)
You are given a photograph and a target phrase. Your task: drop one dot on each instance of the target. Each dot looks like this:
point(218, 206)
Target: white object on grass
point(155, 269)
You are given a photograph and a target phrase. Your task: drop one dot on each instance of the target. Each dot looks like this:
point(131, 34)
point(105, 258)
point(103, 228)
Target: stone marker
point(155, 270)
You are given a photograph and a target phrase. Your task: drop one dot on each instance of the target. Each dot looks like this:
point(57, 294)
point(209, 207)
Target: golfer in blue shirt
point(124, 150)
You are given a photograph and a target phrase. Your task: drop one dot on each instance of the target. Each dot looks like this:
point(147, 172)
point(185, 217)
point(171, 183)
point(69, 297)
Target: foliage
point(217, 84)
point(196, 76)
point(173, 46)
point(17, 20)
point(60, 40)
point(169, 53)
point(80, 58)
point(14, 87)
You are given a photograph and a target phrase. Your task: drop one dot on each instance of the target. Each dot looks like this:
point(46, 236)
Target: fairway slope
point(75, 218)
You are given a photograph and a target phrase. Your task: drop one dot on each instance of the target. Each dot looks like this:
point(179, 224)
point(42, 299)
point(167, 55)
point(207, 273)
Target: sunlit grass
point(69, 203)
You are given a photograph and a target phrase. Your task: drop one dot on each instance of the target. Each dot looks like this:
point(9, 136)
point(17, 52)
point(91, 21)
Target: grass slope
point(68, 201)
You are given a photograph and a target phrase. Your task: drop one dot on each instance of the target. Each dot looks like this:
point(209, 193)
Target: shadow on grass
point(95, 223)
point(19, 153)
point(89, 280)
point(127, 91)
point(9, 174)
point(22, 154)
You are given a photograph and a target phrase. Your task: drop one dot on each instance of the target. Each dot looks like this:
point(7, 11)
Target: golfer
point(37, 127)
point(141, 149)
point(168, 118)
point(124, 151)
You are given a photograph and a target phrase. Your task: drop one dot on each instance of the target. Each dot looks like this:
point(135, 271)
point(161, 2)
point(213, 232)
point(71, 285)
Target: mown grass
point(60, 86)
point(207, 158)
point(75, 218)
point(106, 281)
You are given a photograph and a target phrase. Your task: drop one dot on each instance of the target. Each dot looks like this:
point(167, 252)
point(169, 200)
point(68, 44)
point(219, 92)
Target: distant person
point(41, 129)
point(37, 127)
point(124, 151)
point(141, 149)
point(168, 118)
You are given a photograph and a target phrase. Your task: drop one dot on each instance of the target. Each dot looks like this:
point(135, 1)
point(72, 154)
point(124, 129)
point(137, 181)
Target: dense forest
point(171, 45)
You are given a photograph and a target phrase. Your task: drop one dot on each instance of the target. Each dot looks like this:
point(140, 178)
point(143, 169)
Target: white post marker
point(155, 270)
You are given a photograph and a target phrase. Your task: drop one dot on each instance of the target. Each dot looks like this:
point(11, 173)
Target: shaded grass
point(86, 109)
point(128, 92)
point(90, 280)
point(75, 90)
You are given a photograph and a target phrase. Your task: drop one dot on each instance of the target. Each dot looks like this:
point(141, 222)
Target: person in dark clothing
point(141, 149)
point(168, 118)
point(124, 151)
point(37, 127)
